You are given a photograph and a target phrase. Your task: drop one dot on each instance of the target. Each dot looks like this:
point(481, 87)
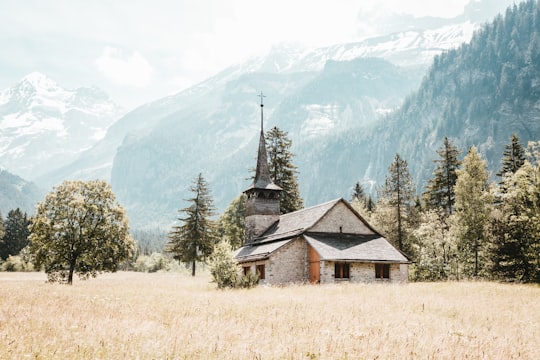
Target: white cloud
point(125, 69)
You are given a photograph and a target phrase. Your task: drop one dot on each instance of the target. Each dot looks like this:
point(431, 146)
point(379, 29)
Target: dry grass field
point(173, 316)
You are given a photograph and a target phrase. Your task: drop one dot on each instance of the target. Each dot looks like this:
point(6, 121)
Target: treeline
point(463, 226)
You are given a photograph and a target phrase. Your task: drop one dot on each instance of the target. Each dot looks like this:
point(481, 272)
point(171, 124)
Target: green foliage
point(16, 263)
point(224, 269)
point(79, 228)
point(515, 227)
point(397, 197)
point(513, 157)
point(358, 193)
point(16, 233)
point(282, 170)
point(194, 240)
point(473, 205)
point(232, 226)
point(152, 263)
point(440, 188)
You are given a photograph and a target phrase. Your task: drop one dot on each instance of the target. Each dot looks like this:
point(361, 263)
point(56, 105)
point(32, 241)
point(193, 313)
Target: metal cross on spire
point(261, 95)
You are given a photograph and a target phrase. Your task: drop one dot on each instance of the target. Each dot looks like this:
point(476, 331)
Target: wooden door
point(314, 266)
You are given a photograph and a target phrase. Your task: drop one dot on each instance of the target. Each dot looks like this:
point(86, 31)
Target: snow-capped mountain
point(44, 126)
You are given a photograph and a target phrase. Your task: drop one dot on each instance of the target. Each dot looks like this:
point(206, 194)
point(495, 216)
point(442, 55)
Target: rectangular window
point(247, 270)
point(260, 271)
point(342, 270)
point(382, 271)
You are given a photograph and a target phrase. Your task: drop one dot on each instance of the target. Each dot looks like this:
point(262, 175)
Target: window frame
point(260, 270)
point(382, 271)
point(342, 270)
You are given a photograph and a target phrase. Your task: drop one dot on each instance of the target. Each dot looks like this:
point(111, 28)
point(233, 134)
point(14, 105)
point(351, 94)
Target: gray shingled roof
point(295, 223)
point(329, 246)
point(354, 247)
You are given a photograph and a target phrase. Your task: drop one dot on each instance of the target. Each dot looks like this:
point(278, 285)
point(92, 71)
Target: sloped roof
point(355, 247)
point(259, 252)
point(330, 246)
point(295, 223)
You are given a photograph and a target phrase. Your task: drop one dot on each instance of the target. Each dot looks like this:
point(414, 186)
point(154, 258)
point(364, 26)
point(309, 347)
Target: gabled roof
point(370, 247)
point(295, 223)
point(344, 247)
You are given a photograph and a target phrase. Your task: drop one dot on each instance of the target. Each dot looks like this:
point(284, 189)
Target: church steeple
point(262, 205)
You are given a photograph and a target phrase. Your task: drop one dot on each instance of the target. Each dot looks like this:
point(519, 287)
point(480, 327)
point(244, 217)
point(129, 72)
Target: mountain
point(44, 126)
point(479, 94)
point(333, 102)
point(17, 193)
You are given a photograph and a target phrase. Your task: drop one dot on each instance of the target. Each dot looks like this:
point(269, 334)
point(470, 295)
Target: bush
point(16, 263)
point(153, 263)
point(224, 270)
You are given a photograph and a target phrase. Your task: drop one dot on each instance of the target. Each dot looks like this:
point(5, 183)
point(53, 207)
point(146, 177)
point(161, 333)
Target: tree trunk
point(71, 271)
point(193, 268)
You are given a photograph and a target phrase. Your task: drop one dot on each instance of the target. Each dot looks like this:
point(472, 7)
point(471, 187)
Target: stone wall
point(364, 273)
point(341, 220)
point(289, 264)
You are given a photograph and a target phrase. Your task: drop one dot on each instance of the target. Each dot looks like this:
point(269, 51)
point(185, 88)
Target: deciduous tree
point(473, 205)
point(79, 228)
point(232, 226)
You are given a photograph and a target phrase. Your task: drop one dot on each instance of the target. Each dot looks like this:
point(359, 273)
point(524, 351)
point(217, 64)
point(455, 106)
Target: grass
point(173, 316)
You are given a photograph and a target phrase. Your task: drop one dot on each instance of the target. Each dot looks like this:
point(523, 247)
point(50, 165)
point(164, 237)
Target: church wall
point(289, 264)
point(341, 219)
point(363, 273)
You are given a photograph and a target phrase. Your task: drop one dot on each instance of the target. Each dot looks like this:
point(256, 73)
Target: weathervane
point(261, 95)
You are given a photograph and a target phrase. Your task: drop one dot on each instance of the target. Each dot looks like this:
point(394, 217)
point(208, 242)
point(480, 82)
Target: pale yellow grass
point(172, 316)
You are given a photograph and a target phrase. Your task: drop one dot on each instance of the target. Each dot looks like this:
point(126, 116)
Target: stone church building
point(326, 243)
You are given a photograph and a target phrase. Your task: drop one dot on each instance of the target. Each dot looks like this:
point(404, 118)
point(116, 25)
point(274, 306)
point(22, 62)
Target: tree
point(358, 193)
point(515, 228)
point(2, 230)
point(473, 201)
point(440, 189)
point(79, 228)
point(223, 267)
point(194, 240)
point(398, 194)
point(232, 225)
point(16, 233)
point(282, 170)
point(513, 158)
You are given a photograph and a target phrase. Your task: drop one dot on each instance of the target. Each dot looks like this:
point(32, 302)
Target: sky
point(139, 51)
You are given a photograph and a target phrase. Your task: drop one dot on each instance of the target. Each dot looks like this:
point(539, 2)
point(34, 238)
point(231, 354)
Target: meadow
point(174, 316)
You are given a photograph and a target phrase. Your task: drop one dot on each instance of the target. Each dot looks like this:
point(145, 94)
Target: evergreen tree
point(2, 231)
point(440, 189)
point(282, 170)
point(473, 201)
point(513, 157)
point(358, 193)
point(16, 233)
point(194, 240)
point(232, 225)
point(398, 195)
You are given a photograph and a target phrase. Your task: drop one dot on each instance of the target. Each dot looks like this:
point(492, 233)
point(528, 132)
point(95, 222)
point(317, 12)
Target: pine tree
point(513, 157)
point(16, 233)
point(2, 231)
point(358, 193)
point(398, 195)
point(440, 189)
point(473, 201)
point(194, 240)
point(282, 170)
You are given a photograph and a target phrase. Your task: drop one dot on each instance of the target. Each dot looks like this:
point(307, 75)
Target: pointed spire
point(262, 174)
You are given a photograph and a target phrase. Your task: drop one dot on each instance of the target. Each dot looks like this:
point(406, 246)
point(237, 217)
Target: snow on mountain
point(44, 126)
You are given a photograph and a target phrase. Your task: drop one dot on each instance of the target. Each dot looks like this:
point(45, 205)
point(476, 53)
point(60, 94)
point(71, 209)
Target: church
point(325, 243)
